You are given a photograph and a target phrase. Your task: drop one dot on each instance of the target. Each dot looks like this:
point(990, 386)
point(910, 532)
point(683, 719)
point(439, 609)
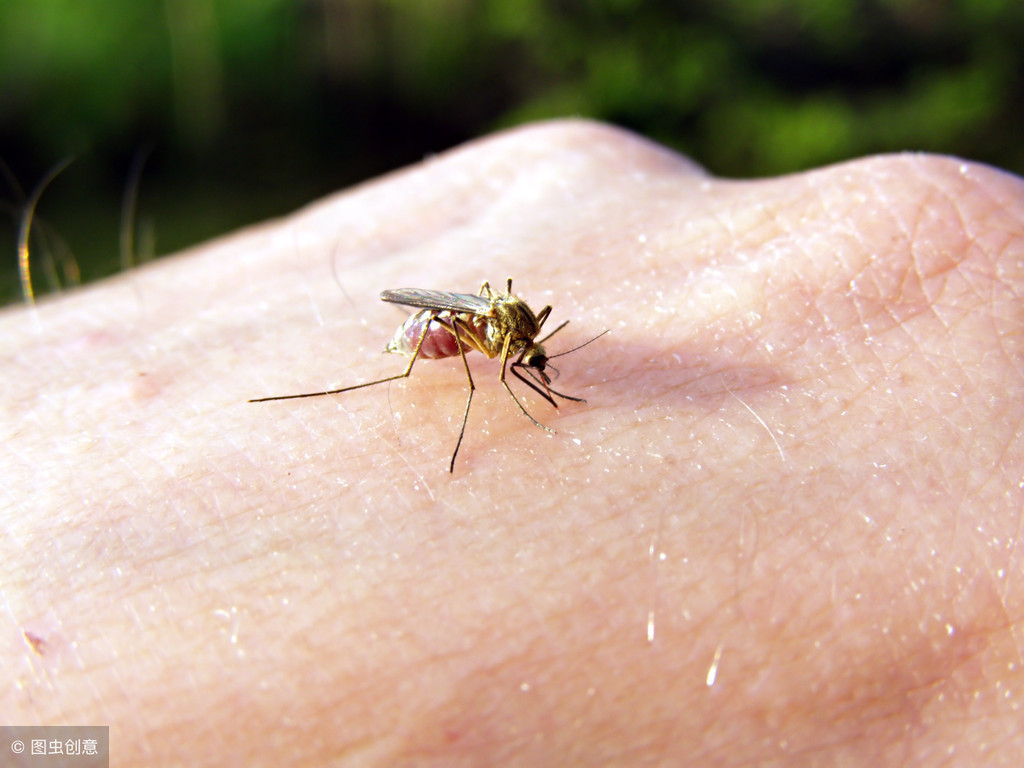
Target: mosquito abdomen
point(440, 341)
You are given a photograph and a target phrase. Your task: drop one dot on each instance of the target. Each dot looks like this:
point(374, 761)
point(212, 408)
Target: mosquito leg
point(504, 360)
point(544, 314)
point(465, 416)
point(547, 392)
point(567, 397)
point(404, 374)
point(541, 317)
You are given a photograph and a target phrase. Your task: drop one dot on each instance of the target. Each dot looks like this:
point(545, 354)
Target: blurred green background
point(247, 109)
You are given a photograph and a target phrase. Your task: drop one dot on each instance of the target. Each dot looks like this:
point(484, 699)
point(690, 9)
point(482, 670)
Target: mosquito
point(448, 324)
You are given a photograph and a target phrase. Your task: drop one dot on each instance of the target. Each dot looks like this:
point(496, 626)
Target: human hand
point(783, 530)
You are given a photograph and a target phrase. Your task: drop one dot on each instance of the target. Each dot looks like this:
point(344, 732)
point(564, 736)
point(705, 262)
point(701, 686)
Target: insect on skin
point(448, 324)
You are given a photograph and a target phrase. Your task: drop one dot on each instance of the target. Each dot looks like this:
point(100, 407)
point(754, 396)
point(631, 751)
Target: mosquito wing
point(424, 299)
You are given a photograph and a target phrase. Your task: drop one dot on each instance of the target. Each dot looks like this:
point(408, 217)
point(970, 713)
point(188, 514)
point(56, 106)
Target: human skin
point(783, 530)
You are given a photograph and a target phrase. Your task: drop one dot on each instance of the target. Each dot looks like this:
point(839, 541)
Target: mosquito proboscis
point(447, 324)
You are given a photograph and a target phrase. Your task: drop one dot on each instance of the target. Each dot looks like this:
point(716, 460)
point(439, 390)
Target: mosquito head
point(536, 358)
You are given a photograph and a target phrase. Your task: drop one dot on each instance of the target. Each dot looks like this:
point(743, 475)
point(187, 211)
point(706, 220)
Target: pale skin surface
point(808, 409)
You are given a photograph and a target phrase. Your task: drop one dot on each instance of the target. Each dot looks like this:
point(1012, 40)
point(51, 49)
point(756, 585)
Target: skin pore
point(783, 530)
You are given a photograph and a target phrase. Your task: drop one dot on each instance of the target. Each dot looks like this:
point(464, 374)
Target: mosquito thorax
point(511, 318)
point(517, 314)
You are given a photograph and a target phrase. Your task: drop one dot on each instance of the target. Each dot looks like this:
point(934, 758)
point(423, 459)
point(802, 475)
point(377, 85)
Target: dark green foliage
point(256, 106)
